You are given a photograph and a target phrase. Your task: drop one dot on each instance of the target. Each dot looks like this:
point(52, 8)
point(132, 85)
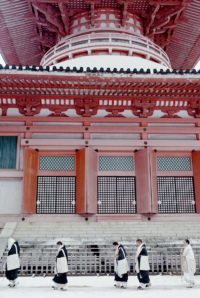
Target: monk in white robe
point(188, 264)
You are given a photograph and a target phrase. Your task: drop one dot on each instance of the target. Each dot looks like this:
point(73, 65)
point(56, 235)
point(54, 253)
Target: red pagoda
point(100, 110)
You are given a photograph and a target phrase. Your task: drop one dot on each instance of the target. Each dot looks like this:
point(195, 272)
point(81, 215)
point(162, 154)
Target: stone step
point(108, 231)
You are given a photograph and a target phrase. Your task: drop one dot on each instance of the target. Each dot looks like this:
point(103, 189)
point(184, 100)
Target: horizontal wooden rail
point(87, 263)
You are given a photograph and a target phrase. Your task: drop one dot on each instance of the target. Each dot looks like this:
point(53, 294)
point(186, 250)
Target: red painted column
point(86, 181)
point(196, 173)
point(144, 196)
point(154, 194)
point(80, 182)
point(30, 180)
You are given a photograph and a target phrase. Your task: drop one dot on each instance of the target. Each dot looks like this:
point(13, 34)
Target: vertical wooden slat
point(157, 263)
point(167, 263)
point(152, 263)
point(161, 261)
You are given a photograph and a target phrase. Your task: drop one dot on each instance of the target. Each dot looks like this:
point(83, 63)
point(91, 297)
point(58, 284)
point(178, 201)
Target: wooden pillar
point(144, 196)
point(196, 173)
point(80, 182)
point(30, 180)
point(86, 181)
point(153, 173)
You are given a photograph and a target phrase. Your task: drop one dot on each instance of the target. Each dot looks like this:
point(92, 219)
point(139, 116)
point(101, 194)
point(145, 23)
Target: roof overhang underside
point(88, 93)
point(21, 43)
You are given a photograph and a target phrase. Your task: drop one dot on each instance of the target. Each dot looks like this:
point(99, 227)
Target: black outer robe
point(124, 277)
point(143, 275)
point(61, 278)
point(12, 274)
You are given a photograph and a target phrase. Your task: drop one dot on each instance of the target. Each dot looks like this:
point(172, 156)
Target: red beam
point(88, 120)
point(99, 129)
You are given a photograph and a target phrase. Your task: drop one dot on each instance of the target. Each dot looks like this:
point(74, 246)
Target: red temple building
point(100, 115)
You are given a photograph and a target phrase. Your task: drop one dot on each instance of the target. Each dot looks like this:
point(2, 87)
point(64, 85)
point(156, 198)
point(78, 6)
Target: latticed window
point(175, 194)
point(173, 163)
point(116, 163)
point(116, 185)
point(8, 152)
point(56, 194)
point(116, 195)
point(56, 184)
point(56, 163)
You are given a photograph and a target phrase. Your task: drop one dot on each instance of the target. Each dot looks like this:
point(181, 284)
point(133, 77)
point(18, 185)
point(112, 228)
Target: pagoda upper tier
point(31, 28)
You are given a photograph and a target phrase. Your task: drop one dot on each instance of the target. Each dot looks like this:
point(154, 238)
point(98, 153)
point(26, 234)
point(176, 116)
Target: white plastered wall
point(10, 195)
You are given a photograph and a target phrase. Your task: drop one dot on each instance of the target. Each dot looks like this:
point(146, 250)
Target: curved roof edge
point(100, 70)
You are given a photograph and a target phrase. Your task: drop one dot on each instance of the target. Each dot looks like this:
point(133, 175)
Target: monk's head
point(59, 244)
point(115, 244)
point(138, 242)
point(186, 242)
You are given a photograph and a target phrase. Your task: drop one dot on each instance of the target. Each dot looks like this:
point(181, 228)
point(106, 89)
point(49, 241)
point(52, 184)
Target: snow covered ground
point(99, 287)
